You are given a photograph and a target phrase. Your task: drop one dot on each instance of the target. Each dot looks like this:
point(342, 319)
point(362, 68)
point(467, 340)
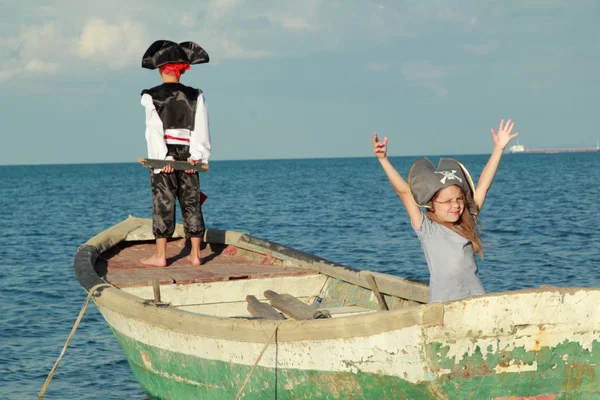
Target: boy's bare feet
point(154, 261)
point(159, 258)
point(195, 257)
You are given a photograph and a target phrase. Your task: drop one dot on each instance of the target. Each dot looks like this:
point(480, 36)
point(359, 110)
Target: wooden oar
point(293, 307)
point(177, 165)
point(258, 309)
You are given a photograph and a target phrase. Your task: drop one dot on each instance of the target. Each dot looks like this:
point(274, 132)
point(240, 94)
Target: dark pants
point(183, 186)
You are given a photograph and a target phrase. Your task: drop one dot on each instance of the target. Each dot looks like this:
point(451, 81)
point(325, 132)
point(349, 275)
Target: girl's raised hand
point(504, 135)
point(379, 148)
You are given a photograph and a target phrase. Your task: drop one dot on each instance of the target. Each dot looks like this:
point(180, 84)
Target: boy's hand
point(193, 162)
point(167, 169)
point(504, 135)
point(379, 148)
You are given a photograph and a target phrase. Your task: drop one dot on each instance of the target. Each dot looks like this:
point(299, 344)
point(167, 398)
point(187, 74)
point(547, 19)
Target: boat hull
point(173, 364)
point(161, 375)
point(554, 356)
point(534, 344)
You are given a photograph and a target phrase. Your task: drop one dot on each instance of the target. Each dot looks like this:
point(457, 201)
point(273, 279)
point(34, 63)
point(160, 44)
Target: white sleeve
point(200, 140)
point(155, 141)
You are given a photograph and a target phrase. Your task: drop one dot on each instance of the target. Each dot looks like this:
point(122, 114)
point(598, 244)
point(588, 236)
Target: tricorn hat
point(425, 180)
point(164, 52)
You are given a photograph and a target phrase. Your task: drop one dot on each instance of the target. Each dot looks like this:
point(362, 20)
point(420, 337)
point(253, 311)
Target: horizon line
point(243, 159)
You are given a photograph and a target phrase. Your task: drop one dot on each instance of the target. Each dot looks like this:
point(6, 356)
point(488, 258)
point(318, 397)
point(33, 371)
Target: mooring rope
point(241, 391)
point(75, 326)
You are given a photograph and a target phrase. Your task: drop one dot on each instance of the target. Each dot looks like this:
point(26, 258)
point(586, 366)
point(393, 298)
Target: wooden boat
point(195, 338)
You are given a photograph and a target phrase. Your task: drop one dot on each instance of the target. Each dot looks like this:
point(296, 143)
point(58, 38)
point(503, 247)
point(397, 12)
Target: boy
point(176, 129)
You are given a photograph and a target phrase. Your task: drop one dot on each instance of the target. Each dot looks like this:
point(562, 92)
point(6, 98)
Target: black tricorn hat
point(164, 52)
point(425, 180)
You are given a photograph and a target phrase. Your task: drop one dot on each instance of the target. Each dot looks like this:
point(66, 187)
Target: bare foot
point(154, 261)
point(195, 259)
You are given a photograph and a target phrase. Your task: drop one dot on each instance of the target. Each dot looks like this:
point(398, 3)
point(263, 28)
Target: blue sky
point(301, 79)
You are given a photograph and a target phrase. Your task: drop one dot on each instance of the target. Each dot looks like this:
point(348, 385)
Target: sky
point(301, 79)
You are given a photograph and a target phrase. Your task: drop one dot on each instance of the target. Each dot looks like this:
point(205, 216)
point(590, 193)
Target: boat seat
point(293, 307)
point(264, 310)
point(337, 312)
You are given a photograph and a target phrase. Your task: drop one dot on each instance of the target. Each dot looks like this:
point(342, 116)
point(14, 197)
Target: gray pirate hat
point(425, 180)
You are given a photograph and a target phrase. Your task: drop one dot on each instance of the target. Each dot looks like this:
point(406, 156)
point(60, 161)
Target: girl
point(447, 230)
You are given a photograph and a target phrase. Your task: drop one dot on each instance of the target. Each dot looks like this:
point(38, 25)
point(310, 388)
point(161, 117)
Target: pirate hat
point(195, 53)
point(425, 181)
point(164, 52)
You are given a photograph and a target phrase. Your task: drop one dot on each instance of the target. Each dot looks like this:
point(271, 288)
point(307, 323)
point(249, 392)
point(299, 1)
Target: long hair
point(465, 226)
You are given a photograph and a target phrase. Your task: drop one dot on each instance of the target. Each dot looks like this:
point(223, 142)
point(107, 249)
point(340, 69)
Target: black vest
point(175, 104)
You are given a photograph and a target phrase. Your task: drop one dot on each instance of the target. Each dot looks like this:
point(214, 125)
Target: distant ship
point(519, 148)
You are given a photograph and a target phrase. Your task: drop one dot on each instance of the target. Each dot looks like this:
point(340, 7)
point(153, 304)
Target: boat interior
point(234, 282)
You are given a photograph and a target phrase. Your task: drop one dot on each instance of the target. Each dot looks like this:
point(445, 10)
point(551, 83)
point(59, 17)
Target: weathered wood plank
point(177, 165)
point(156, 289)
point(258, 309)
point(293, 307)
point(348, 310)
point(373, 285)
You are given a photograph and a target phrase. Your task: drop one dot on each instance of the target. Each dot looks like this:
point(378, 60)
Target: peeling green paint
point(338, 293)
point(167, 375)
point(474, 377)
point(181, 376)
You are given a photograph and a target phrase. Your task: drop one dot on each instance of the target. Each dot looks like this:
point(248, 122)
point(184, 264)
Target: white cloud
point(289, 22)
point(220, 9)
point(231, 49)
point(295, 23)
point(7, 74)
point(119, 45)
point(225, 4)
point(436, 88)
point(36, 65)
point(421, 71)
point(98, 38)
point(378, 66)
point(36, 41)
point(229, 29)
point(187, 20)
point(32, 50)
point(425, 74)
point(228, 44)
point(70, 30)
point(481, 48)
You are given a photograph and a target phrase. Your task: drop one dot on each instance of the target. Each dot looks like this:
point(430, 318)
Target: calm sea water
point(540, 226)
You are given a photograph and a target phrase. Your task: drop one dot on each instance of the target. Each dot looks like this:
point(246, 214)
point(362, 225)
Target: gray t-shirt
point(451, 261)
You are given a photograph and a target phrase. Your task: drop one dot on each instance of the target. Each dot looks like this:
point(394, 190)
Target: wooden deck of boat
point(121, 265)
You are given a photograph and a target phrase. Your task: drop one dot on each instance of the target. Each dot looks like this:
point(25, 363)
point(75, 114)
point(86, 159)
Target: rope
point(75, 326)
point(241, 391)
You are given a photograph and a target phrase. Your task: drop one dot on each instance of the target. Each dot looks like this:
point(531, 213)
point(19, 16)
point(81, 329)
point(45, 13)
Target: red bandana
point(174, 69)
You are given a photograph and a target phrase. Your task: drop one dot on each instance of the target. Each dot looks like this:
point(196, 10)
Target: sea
point(540, 226)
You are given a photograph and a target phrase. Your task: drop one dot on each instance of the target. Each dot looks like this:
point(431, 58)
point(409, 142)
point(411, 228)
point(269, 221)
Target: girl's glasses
point(450, 202)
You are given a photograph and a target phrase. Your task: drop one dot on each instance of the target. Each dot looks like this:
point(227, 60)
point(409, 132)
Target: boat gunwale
point(240, 329)
point(253, 330)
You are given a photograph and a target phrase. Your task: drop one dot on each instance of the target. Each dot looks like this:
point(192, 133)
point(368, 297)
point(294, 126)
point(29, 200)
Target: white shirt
point(157, 137)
